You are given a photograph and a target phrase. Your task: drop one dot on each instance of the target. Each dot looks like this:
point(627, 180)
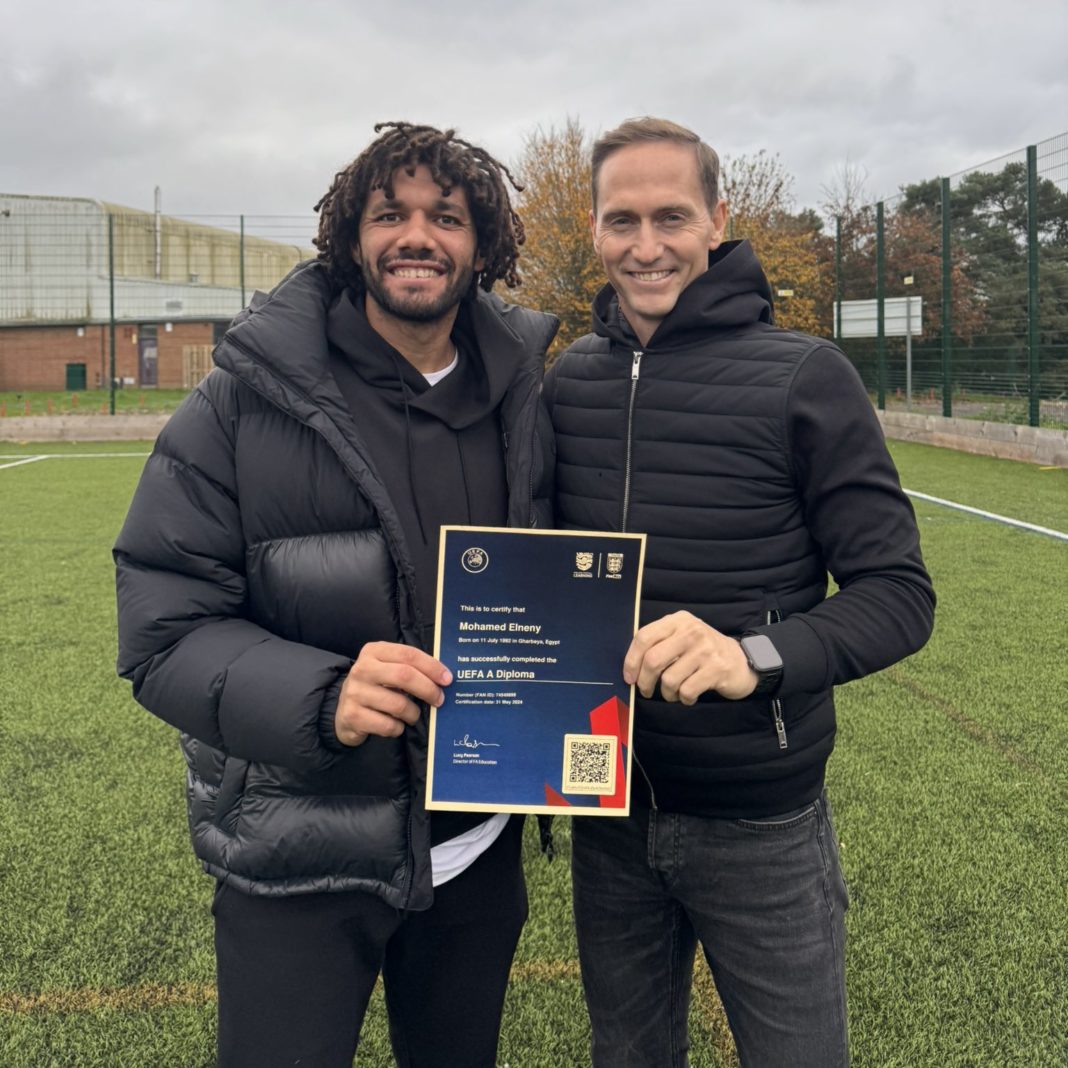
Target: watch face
point(761, 653)
point(765, 662)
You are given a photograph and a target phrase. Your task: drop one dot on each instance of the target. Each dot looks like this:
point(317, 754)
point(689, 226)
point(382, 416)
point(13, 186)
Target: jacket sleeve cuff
point(327, 713)
point(805, 667)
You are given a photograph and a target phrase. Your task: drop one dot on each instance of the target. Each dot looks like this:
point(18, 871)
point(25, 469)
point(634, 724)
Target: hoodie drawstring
point(409, 449)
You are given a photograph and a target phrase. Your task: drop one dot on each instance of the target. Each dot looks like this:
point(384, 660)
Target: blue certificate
point(534, 626)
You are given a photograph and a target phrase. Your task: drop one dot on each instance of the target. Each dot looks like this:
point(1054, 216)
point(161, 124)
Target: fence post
point(1034, 407)
point(947, 306)
point(111, 309)
point(242, 267)
point(880, 302)
point(838, 279)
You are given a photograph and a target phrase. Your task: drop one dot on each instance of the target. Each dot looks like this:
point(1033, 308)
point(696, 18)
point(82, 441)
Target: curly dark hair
point(452, 162)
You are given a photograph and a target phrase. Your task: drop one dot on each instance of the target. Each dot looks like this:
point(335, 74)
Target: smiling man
point(752, 459)
point(276, 577)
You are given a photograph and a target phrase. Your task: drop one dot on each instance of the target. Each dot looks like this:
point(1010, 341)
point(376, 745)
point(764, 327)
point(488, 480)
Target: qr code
point(589, 764)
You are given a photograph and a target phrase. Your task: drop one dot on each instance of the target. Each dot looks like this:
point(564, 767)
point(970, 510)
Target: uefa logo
point(475, 560)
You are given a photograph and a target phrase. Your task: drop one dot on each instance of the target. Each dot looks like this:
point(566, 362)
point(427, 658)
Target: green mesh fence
point(985, 252)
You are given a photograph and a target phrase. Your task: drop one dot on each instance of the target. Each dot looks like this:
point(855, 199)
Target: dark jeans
point(766, 900)
point(295, 973)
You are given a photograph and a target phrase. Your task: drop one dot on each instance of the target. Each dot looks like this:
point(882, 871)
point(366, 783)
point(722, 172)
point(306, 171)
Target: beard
point(419, 307)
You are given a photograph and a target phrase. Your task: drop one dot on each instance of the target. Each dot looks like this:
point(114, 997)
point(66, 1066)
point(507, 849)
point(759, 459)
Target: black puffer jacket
point(259, 554)
point(753, 460)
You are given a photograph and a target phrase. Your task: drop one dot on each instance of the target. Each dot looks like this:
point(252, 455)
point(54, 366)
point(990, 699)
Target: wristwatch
point(764, 660)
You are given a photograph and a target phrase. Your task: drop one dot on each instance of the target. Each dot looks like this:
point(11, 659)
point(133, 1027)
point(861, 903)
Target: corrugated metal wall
point(54, 262)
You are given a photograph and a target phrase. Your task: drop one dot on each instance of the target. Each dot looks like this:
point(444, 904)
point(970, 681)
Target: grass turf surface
point(948, 783)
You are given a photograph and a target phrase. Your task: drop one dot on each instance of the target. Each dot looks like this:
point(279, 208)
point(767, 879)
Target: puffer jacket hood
point(485, 378)
point(285, 333)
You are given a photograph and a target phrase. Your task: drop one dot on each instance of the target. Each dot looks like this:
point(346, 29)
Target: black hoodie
point(438, 449)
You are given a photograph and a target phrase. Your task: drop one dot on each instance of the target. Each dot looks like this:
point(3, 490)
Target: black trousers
point(295, 973)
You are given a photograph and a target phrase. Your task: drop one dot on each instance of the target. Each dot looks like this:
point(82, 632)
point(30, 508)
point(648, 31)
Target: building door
point(148, 354)
point(75, 376)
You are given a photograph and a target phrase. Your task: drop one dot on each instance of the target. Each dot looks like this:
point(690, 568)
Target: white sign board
point(860, 317)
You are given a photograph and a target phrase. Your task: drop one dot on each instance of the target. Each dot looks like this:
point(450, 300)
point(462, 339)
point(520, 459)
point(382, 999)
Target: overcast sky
point(236, 106)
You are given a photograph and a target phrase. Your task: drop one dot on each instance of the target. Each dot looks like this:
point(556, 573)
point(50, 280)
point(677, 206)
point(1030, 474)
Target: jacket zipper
point(634, 371)
point(530, 480)
point(409, 880)
point(775, 616)
point(532, 516)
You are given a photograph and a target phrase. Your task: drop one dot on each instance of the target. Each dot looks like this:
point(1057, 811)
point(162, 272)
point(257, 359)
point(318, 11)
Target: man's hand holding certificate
point(534, 626)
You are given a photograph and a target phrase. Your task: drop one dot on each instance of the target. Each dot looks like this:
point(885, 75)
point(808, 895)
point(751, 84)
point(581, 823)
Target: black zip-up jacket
point(260, 553)
point(753, 460)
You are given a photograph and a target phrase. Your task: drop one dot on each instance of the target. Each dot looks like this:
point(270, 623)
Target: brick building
point(74, 273)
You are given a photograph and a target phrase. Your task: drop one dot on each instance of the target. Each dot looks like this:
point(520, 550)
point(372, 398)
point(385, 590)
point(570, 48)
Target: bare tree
point(757, 188)
point(847, 194)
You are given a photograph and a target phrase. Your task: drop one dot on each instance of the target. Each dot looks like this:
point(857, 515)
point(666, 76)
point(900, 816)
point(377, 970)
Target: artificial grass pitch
point(948, 787)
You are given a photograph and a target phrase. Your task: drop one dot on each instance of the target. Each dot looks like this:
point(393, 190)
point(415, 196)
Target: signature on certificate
point(467, 742)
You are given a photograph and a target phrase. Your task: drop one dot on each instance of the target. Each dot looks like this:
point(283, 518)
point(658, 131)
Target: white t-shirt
point(449, 859)
point(434, 377)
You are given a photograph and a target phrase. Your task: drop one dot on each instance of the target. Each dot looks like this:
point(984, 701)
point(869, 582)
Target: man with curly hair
point(276, 576)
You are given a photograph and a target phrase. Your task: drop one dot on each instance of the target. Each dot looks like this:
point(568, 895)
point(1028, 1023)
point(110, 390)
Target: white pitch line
point(1060, 535)
point(72, 456)
point(990, 515)
point(19, 463)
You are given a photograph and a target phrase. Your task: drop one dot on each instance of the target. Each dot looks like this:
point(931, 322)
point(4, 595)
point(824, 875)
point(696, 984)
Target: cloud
point(251, 107)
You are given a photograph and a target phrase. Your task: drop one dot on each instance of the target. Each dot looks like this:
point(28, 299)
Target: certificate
point(534, 626)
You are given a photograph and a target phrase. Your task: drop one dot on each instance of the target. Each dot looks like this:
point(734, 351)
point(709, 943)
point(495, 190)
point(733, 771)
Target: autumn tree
point(561, 272)
point(759, 194)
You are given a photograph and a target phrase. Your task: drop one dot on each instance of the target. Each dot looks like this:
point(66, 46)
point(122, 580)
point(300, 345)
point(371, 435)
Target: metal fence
point(80, 261)
point(951, 297)
point(985, 252)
